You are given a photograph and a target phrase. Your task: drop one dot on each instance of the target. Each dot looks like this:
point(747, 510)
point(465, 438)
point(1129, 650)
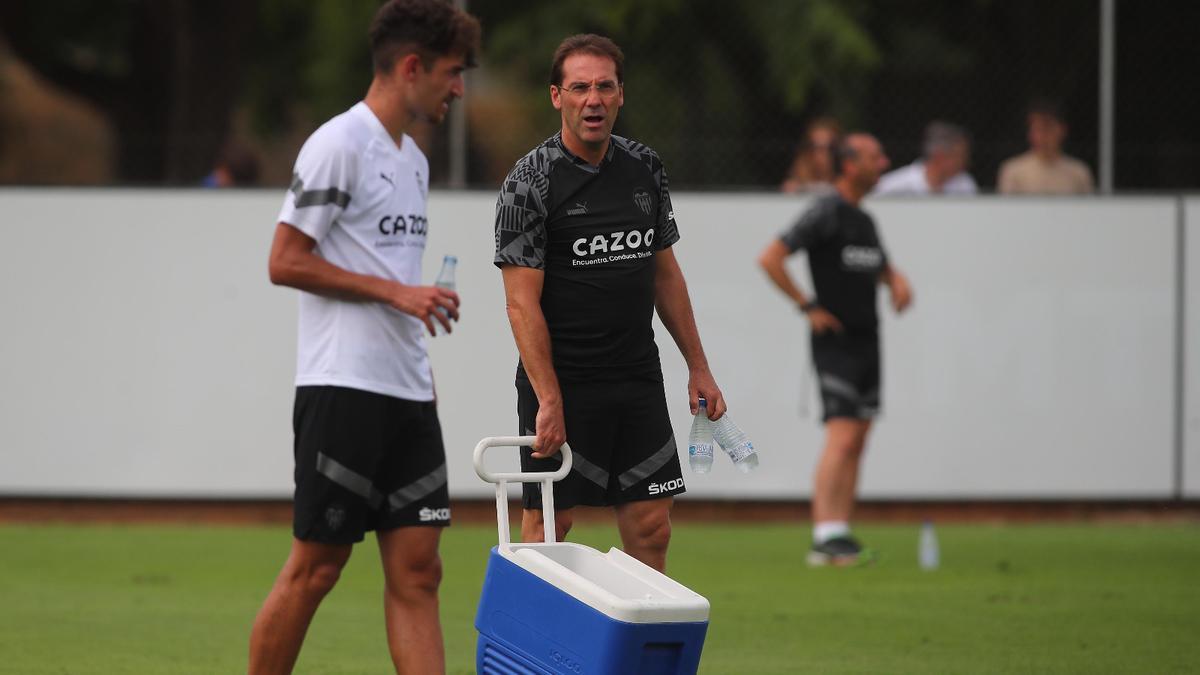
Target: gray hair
point(941, 136)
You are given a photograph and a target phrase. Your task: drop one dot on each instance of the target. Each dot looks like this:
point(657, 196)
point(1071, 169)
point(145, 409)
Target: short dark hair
point(1045, 106)
point(430, 28)
point(588, 43)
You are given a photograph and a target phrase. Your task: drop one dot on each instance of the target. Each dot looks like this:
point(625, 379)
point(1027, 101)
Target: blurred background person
point(942, 169)
point(848, 262)
point(236, 166)
point(1044, 169)
point(812, 168)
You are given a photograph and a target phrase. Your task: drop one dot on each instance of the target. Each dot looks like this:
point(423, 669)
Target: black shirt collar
point(583, 163)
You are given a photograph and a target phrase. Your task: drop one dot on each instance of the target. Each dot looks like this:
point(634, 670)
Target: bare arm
point(897, 283)
point(675, 309)
point(523, 302)
point(772, 261)
point(293, 263)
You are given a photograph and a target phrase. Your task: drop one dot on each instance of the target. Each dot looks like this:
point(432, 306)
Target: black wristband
point(809, 306)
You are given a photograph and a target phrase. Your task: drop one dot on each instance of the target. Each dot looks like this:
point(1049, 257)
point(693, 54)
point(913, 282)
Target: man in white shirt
point(368, 447)
point(942, 170)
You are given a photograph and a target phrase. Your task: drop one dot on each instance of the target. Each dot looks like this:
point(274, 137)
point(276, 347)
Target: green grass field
point(140, 600)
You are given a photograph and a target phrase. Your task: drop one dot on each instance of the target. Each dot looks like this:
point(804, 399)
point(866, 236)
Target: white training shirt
point(910, 180)
point(362, 198)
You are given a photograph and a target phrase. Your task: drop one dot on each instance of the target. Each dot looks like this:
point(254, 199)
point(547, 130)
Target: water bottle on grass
point(927, 549)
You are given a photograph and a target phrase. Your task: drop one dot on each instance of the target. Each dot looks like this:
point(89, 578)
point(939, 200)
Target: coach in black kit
point(847, 261)
point(584, 228)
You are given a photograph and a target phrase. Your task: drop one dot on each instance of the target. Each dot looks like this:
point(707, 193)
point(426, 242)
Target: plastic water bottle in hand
point(445, 279)
point(735, 444)
point(927, 549)
point(700, 440)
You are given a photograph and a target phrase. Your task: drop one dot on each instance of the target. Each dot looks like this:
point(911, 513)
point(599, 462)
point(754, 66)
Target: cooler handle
point(546, 478)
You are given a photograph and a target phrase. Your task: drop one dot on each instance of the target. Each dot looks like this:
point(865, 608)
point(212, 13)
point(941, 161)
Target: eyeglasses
point(606, 89)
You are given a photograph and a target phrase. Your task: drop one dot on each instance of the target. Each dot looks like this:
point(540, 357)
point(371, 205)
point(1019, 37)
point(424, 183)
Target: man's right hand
point(551, 430)
point(423, 302)
point(822, 321)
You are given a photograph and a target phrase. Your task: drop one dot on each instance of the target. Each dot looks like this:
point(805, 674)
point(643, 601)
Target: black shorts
point(622, 440)
point(366, 461)
point(848, 373)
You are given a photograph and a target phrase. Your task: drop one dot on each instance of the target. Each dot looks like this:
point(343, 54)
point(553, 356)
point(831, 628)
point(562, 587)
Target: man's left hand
point(902, 295)
point(702, 384)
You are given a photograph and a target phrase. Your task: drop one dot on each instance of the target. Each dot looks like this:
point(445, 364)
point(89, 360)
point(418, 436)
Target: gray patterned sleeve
point(668, 230)
point(521, 216)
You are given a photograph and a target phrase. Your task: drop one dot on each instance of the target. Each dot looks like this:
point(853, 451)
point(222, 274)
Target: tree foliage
point(721, 89)
point(705, 79)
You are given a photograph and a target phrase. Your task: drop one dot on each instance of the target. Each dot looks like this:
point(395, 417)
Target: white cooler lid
point(614, 583)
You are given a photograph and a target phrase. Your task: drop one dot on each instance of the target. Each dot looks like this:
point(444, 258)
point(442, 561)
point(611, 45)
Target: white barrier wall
point(1190, 478)
point(143, 351)
point(145, 354)
point(1014, 375)
point(1041, 358)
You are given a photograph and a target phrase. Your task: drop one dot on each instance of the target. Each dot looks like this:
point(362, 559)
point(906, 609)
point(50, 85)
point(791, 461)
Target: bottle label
point(740, 452)
point(702, 449)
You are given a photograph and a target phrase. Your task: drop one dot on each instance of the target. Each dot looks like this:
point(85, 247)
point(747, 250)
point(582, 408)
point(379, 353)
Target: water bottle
point(445, 279)
point(927, 548)
point(700, 440)
point(735, 444)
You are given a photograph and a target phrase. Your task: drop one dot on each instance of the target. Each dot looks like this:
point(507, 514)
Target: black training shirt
point(845, 257)
point(593, 231)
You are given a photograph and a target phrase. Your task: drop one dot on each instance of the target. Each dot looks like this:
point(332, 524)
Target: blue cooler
point(553, 608)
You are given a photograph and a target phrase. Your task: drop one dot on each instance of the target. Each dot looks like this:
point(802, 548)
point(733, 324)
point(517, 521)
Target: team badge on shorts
point(643, 201)
point(335, 516)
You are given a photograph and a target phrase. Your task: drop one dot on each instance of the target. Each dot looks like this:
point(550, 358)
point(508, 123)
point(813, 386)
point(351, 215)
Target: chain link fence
point(723, 91)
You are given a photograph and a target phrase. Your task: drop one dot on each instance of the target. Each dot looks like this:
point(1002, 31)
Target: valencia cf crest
point(643, 200)
point(334, 517)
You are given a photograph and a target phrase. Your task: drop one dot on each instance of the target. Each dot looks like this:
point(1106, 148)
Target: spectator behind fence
point(942, 169)
point(812, 169)
point(1044, 169)
point(236, 166)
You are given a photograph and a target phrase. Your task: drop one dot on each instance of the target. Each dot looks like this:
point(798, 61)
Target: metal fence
point(723, 91)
